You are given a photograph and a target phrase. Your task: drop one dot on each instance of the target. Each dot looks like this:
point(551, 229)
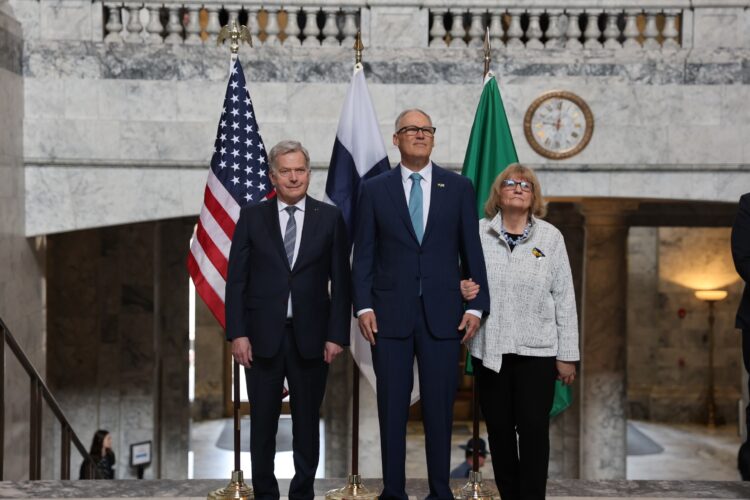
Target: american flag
point(238, 176)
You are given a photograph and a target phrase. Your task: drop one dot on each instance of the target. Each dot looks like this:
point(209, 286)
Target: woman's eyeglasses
point(511, 184)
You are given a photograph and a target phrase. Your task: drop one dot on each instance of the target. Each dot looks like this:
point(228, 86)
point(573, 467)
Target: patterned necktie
point(290, 234)
point(415, 206)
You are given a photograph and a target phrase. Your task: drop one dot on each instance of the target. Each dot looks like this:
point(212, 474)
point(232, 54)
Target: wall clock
point(558, 124)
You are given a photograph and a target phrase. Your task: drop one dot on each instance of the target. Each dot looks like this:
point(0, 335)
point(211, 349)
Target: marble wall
point(668, 124)
point(118, 346)
point(668, 326)
point(21, 274)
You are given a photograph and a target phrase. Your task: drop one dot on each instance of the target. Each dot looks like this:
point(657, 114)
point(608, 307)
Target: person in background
point(741, 256)
point(462, 471)
point(531, 337)
point(103, 458)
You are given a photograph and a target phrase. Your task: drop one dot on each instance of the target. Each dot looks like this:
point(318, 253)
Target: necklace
point(514, 241)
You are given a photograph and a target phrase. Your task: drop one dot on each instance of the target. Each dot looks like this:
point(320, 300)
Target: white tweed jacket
point(532, 302)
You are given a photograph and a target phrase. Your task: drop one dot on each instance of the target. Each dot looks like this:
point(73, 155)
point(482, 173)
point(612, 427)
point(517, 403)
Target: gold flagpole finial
point(358, 48)
point(487, 51)
point(236, 34)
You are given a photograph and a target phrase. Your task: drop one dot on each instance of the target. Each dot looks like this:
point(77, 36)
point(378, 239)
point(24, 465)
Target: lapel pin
point(440, 185)
point(537, 253)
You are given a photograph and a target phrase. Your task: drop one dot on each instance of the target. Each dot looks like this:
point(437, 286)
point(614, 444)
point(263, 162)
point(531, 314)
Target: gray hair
point(404, 112)
point(284, 148)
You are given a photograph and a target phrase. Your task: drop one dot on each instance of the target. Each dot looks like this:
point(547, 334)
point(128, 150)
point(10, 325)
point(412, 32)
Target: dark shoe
point(743, 461)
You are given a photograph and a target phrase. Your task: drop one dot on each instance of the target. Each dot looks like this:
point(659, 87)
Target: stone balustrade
point(270, 23)
point(651, 27)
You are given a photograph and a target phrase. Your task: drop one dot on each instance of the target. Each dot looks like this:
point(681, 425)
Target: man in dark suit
point(741, 256)
point(281, 319)
point(417, 236)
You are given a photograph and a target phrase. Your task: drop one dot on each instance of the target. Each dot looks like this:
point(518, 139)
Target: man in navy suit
point(281, 318)
point(417, 236)
point(741, 256)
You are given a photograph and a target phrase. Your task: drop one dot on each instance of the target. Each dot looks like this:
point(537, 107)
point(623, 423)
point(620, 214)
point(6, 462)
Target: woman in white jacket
point(530, 338)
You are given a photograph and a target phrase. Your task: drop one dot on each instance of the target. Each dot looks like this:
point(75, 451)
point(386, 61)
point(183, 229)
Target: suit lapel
point(271, 217)
point(438, 194)
point(312, 216)
point(396, 191)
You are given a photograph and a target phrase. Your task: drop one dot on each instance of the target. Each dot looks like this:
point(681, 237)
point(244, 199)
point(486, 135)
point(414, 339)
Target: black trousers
point(518, 401)
point(265, 379)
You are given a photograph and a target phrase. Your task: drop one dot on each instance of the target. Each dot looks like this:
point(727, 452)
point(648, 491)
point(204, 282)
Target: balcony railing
point(650, 26)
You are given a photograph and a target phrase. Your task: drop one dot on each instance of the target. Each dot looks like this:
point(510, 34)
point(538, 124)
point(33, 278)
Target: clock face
point(558, 125)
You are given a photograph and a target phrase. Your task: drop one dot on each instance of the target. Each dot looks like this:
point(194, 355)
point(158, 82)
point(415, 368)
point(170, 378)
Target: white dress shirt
point(299, 218)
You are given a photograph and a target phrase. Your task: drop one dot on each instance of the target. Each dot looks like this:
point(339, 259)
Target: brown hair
point(538, 205)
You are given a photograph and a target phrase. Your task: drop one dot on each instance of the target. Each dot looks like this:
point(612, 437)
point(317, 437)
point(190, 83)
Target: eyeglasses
point(412, 130)
point(511, 184)
point(286, 172)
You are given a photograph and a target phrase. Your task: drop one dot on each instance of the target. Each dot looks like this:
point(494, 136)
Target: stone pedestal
point(603, 335)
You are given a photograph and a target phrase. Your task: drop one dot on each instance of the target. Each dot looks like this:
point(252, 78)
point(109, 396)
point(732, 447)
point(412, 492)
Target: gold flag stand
point(475, 488)
point(354, 489)
point(237, 489)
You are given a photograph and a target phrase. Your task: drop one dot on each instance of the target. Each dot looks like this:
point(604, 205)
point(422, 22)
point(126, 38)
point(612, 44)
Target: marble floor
point(691, 452)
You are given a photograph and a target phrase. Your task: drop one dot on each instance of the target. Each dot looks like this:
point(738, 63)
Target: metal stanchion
point(354, 489)
point(236, 489)
point(475, 488)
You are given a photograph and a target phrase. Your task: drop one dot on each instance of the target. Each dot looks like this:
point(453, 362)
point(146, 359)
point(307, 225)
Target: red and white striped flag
point(238, 176)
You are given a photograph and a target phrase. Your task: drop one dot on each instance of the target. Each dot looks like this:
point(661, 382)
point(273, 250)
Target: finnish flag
point(358, 154)
point(359, 151)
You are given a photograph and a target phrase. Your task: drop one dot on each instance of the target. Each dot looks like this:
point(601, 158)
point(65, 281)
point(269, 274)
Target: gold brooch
point(537, 253)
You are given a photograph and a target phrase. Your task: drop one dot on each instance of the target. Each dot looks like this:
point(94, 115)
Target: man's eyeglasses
point(286, 172)
point(412, 130)
point(511, 184)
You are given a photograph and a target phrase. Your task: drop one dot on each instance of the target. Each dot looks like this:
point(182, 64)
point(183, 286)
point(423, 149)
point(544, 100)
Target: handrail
point(38, 392)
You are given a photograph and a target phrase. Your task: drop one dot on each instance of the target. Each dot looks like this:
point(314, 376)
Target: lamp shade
point(711, 295)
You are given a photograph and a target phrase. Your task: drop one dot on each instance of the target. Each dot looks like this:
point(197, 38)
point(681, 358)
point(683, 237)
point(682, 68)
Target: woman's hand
point(469, 289)
point(566, 371)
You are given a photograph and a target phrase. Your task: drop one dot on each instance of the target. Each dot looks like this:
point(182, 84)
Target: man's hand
point(469, 289)
point(471, 324)
point(242, 351)
point(331, 351)
point(368, 325)
point(566, 371)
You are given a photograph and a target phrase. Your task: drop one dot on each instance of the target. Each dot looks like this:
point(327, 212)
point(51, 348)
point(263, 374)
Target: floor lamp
point(711, 297)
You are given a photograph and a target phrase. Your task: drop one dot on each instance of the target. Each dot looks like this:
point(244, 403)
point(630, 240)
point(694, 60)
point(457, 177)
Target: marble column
point(564, 429)
point(337, 415)
point(603, 334)
point(21, 272)
point(172, 345)
point(210, 358)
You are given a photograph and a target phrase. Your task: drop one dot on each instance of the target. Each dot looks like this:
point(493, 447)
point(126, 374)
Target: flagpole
point(475, 489)
point(237, 489)
point(354, 489)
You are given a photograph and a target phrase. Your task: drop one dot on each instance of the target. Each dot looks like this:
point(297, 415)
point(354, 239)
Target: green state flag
point(491, 147)
point(490, 150)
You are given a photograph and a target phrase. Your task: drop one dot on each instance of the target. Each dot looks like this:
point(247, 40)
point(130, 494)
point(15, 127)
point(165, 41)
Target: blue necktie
point(415, 206)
